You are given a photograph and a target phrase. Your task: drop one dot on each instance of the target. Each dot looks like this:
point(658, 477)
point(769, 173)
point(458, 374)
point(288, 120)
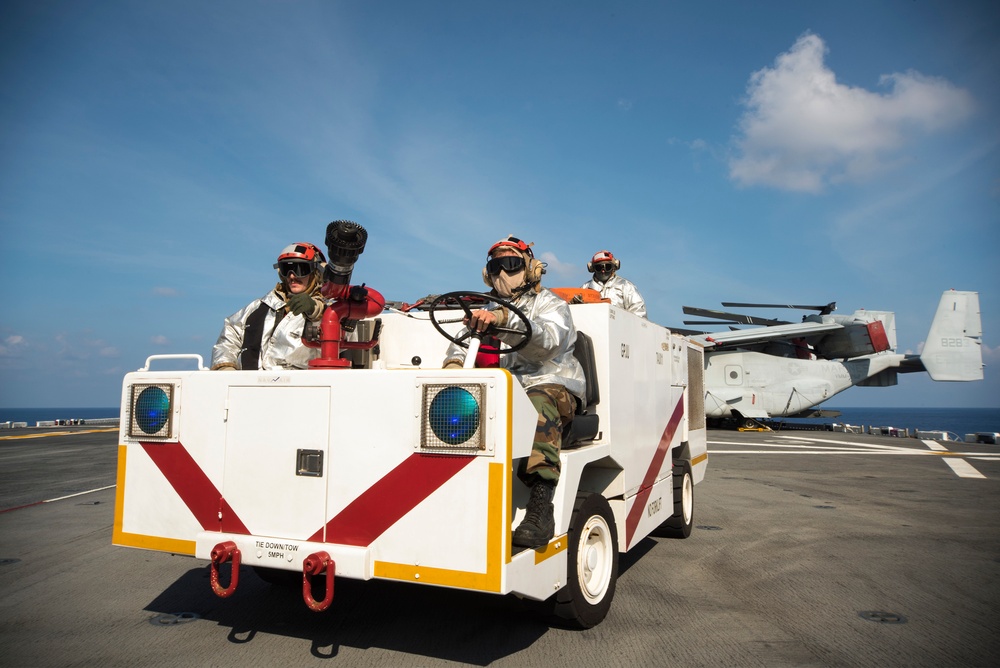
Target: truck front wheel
point(592, 563)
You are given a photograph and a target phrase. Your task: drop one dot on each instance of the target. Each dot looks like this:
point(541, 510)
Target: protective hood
point(507, 285)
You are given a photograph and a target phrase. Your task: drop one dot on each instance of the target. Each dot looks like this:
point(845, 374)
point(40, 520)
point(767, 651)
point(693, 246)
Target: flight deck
point(814, 549)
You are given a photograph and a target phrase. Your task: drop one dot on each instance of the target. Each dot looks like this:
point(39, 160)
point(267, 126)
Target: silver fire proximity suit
point(621, 292)
point(281, 344)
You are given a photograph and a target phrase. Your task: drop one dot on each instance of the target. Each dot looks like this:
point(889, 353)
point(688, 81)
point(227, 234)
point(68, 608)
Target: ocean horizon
point(957, 421)
point(33, 415)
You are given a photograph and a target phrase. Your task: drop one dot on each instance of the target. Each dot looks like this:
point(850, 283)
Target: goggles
point(508, 263)
point(604, 267)
point(298, 267)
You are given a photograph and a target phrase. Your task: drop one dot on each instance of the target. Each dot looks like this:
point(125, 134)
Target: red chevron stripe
point(635, 514)
point(198, 493)
point(384, 503)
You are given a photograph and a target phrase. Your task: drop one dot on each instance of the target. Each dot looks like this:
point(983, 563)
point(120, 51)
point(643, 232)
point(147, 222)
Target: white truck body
point(286, 464)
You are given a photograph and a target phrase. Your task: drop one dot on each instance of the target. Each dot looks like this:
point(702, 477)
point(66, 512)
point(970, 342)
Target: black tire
point(679, 524)
point(592, 563)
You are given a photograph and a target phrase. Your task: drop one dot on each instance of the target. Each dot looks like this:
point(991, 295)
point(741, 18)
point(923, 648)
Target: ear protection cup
point(533, 271)
point(486, 278)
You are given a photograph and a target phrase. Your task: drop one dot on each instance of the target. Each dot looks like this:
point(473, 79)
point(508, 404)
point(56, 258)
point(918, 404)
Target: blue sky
point(155, 157)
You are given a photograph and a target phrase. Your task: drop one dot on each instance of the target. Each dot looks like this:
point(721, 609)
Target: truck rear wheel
point(679, 524)
point(592, 563)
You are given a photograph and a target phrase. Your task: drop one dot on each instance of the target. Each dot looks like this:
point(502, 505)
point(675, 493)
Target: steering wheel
point(461, 298)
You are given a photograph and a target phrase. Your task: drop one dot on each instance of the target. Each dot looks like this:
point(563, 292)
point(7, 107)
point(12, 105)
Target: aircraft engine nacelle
point(855, 340)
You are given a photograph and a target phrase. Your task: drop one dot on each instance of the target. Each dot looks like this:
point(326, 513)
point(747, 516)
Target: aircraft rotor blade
point(732, 318)
point(826, 309)
point(712, 322)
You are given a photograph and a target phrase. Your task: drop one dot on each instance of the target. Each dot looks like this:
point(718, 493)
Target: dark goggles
point(604, 267)
point(508, 263)
point(298, 267)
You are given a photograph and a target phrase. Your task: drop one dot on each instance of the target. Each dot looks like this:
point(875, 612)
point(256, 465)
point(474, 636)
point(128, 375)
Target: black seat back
point(584, 354)
point(584, 426)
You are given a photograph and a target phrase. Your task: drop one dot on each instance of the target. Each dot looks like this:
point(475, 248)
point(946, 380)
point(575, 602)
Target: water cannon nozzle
point(345, 241)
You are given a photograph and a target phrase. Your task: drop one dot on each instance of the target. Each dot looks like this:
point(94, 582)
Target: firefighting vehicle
point(354, 467)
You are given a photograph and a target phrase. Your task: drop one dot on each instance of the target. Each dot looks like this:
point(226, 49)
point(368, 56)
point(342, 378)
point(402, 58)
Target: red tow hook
point(315, 564)
point(222, 553)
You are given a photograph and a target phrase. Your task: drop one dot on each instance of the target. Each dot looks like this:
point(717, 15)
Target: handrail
point(178, 356)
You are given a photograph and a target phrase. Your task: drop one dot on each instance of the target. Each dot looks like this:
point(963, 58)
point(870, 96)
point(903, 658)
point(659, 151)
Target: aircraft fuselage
point(759, 385)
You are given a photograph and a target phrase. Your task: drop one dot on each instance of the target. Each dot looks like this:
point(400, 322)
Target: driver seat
point(585, 425)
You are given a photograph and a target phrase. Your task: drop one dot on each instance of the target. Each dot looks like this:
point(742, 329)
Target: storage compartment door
point(276, 459)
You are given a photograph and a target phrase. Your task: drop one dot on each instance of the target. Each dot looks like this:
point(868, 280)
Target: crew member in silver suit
point(547, 369)
point(622, 292)
point(267, 332)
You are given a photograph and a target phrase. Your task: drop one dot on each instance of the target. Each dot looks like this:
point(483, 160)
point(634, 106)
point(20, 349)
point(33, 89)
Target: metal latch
point(309, 463)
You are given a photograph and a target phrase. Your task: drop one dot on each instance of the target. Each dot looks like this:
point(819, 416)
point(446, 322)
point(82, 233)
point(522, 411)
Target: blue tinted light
point(152, 409)
point(454, 415)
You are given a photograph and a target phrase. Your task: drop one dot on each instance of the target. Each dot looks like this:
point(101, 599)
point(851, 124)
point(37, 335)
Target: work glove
point(224, 366)
point(453, 364)
point(311, 306)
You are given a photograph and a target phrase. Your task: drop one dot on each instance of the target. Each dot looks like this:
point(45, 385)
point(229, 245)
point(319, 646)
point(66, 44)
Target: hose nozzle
point(345, 241)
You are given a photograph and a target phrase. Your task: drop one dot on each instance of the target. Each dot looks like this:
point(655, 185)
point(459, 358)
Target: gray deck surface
point(811, 549)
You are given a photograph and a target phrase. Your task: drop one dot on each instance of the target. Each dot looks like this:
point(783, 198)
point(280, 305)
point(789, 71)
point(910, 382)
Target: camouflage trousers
point(555, 406)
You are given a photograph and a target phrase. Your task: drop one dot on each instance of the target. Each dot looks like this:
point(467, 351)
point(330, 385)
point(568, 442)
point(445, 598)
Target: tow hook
point(315, 564)
point(222, 553)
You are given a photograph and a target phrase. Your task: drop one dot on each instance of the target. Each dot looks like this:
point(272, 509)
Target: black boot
point(539, 525)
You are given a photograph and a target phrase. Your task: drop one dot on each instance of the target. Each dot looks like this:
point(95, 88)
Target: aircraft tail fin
point(953, 350)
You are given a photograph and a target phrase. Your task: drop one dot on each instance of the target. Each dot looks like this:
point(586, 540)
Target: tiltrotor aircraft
point(786, 369)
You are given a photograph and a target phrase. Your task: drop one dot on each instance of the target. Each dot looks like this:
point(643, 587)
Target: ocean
point(958, 421)
point(32, 415)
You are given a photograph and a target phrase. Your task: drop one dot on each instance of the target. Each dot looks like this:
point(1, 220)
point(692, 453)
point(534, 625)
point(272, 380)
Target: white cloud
point(159, 340)
point(13, 346)
point(555, 268)
point(803, 130)
point(165, 292)
point(991, 356)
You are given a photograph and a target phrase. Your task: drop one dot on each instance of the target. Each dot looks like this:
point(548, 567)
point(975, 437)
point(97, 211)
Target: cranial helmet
point(603, 256)
point(533, 269)
point(302, 251)
point(295, 258)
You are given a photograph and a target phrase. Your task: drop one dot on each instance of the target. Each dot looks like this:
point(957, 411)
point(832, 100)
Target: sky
point(156, 157)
